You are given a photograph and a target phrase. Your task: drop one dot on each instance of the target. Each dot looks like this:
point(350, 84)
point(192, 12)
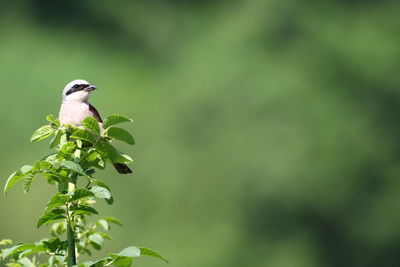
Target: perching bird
point(75, 108)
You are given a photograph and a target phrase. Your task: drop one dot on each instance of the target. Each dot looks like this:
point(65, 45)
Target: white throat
point(77, 97)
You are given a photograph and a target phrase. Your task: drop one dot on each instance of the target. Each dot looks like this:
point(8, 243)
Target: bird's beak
point(90, 88)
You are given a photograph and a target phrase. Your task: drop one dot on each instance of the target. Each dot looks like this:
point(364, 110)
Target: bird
point(75, 107)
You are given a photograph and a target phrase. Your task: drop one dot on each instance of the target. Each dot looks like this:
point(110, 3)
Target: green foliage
point(115, 119)
point(42, 133)
point(51, 216)
point(5, 242)
point(272, 123)
point(83, 135)
point(152, 253)
point(121, 135)
point(101, 192)
point(92, 125)
point(79, 151)
point(16, 176)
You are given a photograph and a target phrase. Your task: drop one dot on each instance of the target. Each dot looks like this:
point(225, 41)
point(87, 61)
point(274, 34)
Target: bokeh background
point(267, 130)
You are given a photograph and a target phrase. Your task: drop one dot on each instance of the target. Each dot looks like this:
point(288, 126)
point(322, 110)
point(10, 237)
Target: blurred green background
point(267, 130)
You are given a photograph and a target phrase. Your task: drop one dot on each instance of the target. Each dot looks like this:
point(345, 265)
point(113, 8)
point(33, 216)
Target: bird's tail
point(122, 168)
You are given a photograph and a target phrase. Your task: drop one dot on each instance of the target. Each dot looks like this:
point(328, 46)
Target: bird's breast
point(73, 113)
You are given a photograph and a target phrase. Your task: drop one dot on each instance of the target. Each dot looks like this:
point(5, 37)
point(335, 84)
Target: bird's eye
point(75, 86)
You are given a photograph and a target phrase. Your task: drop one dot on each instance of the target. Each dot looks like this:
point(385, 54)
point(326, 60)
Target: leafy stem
point(71, 258)
point(71, 250)
point(80, 151)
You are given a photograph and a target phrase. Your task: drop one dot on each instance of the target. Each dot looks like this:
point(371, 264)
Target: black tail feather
point(122, 168)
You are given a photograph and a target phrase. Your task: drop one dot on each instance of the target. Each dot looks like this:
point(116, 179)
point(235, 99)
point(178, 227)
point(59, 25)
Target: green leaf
point(26, 262)
point(83, 135)
point(51, 177)
point(83, 209)
point(51, 216)
point(56, 139)
point(100, 263)
point(45, 165)
point(57, 200)
point(68, 148)
point(80, 193)
point(92, 156)
point(16, 249)
point(63, 139)
point(83, 249)
point(124, 258)
point(42, 133)
point(90, 171)
point(51, 159)
point(36, 249)
point(30, 175)
point(52, 120)
point(55, 260)
point(91, 124)
point(16, 176)
point(52, 244)
point(113, 220)
point(110, 200)
point(121, 261)
point(108, 151)
point(49, 220)
point(96, 160)
point(5, 242)
point(105, 236)
point(121, 135)
point(101, 192)
point(127, 158)
point(13, 179)
point(73, 167)
point(104, 224)
point(152, 253)
point(36, 166)
point(100, 183)
point(58, 228)
point(28, 180)
point(130, 252)
point(97, 239)
point(115, 119)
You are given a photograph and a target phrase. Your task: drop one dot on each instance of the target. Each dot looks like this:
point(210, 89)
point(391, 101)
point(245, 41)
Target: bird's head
point(77, 91)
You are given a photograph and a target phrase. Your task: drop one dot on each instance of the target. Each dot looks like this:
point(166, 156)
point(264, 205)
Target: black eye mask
point(76, 88)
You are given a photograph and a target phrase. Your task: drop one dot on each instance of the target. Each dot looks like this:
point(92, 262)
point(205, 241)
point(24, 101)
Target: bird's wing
point(95, 113)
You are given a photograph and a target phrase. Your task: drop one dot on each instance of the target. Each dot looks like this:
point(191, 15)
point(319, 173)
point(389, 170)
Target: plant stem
point(71, 259)
point(71, 250)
